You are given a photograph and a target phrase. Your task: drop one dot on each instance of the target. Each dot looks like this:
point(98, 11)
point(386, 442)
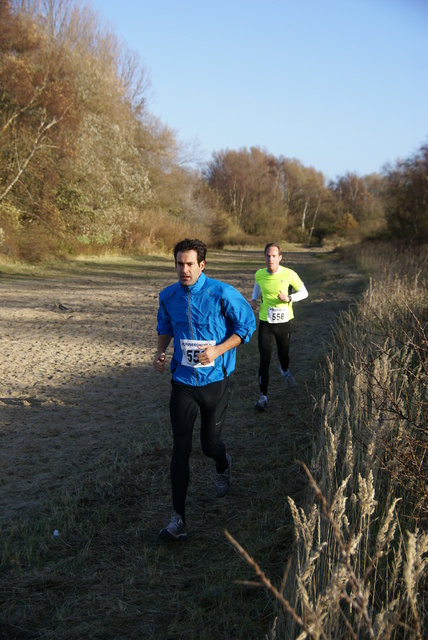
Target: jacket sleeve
point(239, 314)
point(164, 324)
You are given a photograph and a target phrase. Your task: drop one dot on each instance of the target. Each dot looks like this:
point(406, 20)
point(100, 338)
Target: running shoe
point(223, 480)
point(261, 404)
point(289, 379)
point(175, 531)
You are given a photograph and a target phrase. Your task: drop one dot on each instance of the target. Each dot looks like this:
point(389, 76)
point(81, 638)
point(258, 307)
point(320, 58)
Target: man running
point(279, 287)
point(207, 319)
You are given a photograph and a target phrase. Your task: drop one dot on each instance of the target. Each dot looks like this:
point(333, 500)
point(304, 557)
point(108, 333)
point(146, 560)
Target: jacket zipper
point(192, 333)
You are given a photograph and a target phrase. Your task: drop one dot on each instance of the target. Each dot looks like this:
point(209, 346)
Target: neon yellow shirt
point(271, 284)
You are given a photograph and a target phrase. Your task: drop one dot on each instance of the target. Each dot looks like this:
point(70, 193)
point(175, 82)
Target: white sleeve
point(256, 292)
point(301, 294)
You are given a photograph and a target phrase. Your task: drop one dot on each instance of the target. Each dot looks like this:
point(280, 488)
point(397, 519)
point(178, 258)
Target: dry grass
point(361, 550)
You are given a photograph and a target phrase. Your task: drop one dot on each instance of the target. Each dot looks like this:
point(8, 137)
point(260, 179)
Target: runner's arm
point(159, 360)
point(256, 294)
point(211, 353)
point(301, 294)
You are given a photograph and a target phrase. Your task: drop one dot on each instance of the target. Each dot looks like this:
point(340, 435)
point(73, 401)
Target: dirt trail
point(76, 374)
point(85, 447)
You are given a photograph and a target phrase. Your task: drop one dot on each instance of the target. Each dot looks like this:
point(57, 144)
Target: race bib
point(277, 314)
point(190, 350)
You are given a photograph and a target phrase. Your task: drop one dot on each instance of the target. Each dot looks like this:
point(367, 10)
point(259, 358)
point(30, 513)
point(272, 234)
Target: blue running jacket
point(208, 312)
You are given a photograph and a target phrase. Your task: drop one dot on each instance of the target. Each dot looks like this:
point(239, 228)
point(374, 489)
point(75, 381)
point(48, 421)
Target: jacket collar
point(195, 288)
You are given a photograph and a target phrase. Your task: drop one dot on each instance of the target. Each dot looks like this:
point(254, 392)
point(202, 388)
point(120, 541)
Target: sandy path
point(76, 374)
point(75, 371)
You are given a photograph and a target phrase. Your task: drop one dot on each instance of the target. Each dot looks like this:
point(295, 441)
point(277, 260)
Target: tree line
point(85, 165)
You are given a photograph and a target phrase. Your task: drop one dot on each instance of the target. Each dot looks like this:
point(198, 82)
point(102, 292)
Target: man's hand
point(159, 362)
point(209, 354)
point(253, 304)
point(284, 297)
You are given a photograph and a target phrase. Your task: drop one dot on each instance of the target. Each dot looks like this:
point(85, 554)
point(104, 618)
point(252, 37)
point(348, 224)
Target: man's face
point(273, 258)
point(187, 267)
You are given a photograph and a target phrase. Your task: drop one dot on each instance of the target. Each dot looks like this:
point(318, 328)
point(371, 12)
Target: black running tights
point(185, 402)
point(279, 332)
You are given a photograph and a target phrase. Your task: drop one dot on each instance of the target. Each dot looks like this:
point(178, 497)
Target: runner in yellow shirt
point(278, 287)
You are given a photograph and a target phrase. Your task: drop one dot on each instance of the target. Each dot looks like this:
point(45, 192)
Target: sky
point(340, 85)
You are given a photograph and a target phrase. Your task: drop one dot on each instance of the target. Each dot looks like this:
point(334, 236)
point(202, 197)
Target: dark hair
point(273, 244)
point(191, 245)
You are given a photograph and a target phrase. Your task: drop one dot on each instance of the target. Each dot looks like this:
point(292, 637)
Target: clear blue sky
point(341, 85)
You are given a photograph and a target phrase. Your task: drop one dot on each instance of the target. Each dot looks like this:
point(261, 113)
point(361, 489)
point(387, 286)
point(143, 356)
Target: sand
point(76, 354)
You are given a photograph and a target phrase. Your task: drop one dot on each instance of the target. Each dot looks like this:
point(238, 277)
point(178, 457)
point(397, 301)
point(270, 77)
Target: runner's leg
point(265, 341)
point(183, 411)
point(214, 399)
point(282, 337)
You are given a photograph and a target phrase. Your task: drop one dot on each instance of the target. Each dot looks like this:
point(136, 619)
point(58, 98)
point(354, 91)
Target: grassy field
point(106, 575)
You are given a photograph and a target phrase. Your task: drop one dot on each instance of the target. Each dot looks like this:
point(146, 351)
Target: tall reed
point(360, 561)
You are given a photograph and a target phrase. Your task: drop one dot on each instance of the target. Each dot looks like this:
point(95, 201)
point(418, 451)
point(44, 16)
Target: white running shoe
point(289, 379)
point(223, 480)
point(261, 404)
point(175, 531)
